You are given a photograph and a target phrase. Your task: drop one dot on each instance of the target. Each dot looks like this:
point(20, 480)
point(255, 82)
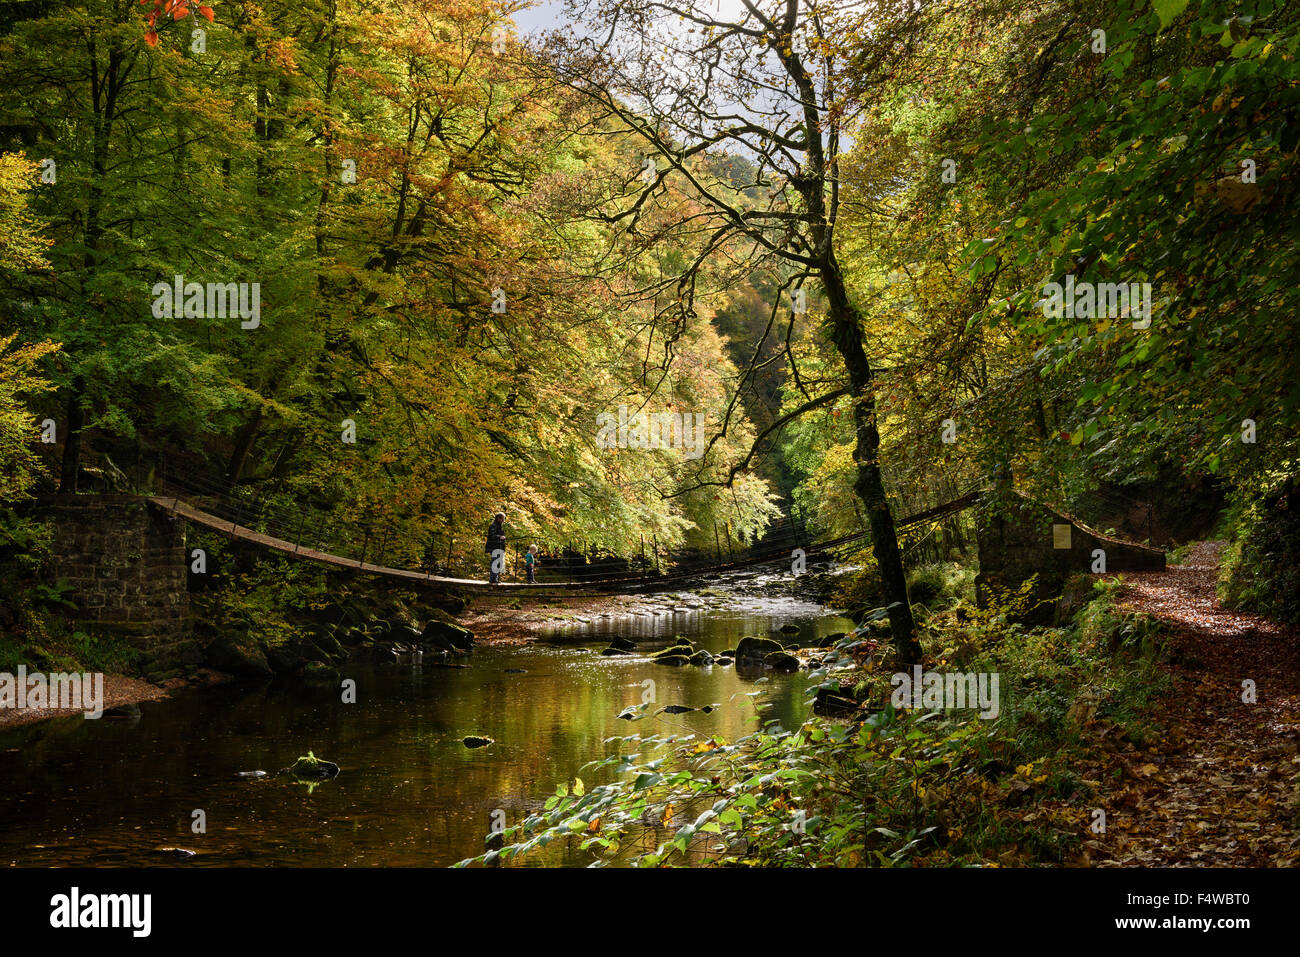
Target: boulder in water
point(238, 655)
point(476, 741)
point(676, 660)
point(684, 650)
point(447, 634)
point(751, 650)
point(319, 671)
point(312, 768)
point(781, 661)
point(834, 701)
point(180, 853)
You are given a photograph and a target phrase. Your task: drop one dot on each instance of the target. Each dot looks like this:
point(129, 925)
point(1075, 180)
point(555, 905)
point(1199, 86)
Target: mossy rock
point(752, 650)
point(674, 660)
point(701, 657)
point(329, 646)
point(319, 671)
point(835, 702)
point(445, 632)
point(476, 741)
point(239, 655)
point(312, 768)
point(781, 661)
point(788, 629)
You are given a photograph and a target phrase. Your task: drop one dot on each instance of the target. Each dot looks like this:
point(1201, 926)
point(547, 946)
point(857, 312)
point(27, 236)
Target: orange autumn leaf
point(151, 38)
point(206, 12)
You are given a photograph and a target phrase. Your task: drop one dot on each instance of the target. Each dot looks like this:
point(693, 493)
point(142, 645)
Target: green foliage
point(1102, 623)
point(896, 789)
point(375, 289)
point(941, 586)
point(1258, 571)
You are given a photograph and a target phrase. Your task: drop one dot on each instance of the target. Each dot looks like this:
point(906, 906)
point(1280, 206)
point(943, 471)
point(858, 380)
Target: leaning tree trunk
point(847, 335)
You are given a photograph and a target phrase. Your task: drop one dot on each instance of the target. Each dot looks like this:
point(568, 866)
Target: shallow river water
point(108, 792)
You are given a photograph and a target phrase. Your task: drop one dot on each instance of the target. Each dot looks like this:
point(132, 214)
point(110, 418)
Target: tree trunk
point(243, 444)
point(71, 465)
point(847, 335)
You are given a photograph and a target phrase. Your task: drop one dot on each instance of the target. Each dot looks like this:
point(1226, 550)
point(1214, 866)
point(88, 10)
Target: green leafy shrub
point(1258, 571)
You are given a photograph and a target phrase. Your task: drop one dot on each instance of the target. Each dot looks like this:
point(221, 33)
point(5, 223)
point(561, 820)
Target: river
point(109, 792)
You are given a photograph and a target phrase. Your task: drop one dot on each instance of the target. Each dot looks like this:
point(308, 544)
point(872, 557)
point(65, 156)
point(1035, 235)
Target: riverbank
point(120, 691)
point(519, 620)
point(410, 793)
point(522, 621)
point(512, 622)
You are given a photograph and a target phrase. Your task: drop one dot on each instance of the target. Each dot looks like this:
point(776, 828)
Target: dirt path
point(1221, 788)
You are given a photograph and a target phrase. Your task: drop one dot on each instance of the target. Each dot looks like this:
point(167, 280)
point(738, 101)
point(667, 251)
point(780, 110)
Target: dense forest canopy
point(391, 261)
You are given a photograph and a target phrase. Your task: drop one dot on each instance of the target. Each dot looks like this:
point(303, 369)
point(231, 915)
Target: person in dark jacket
point(496, 547)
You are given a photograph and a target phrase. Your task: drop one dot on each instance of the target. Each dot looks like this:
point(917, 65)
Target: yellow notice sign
point(1061, 536)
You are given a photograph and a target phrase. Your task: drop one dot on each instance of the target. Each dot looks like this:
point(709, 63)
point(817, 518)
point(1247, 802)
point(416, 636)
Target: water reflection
point(80, 792)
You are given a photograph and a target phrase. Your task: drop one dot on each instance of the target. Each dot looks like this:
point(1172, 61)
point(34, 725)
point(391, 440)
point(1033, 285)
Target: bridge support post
point(126, 560)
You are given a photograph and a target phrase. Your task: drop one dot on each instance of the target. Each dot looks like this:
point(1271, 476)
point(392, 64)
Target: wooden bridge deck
point(630, 583)
point(541, 590)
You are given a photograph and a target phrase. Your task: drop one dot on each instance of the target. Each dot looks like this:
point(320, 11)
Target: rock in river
point(180, 853)
point(835, 701)
point(676, 660)
point(238, 654)
point(781, 661)
point(312, 768)
point(445, 633)
point(476, 741)
point(751, 651)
